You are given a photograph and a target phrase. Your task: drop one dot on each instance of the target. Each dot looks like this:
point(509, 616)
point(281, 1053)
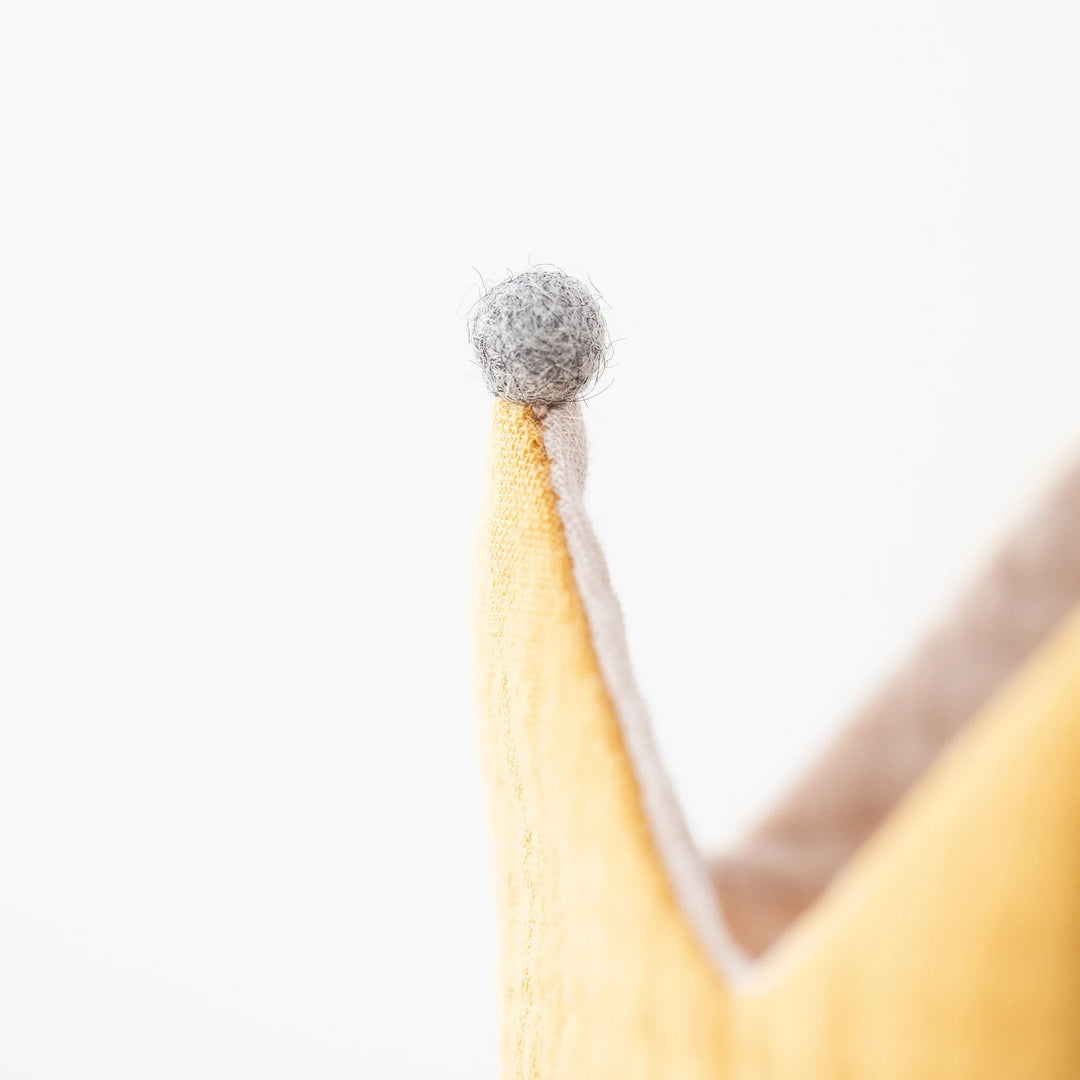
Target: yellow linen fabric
point(949, 948)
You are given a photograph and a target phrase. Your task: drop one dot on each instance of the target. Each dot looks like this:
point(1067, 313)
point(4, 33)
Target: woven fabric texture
point(949, 945)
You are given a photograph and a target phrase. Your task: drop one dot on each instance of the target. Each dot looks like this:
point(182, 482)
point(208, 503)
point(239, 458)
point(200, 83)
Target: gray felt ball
point(539, 337)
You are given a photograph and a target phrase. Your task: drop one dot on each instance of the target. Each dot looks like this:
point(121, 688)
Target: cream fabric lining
point(742, 901)
point(791, 856)
point(567, 449)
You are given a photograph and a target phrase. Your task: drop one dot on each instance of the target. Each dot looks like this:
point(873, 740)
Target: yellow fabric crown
point(946, 946)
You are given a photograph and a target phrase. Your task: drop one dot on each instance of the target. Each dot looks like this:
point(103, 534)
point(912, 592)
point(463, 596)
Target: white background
point(241, 446)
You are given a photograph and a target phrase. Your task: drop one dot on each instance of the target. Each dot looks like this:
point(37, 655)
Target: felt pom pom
point(539, 337)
